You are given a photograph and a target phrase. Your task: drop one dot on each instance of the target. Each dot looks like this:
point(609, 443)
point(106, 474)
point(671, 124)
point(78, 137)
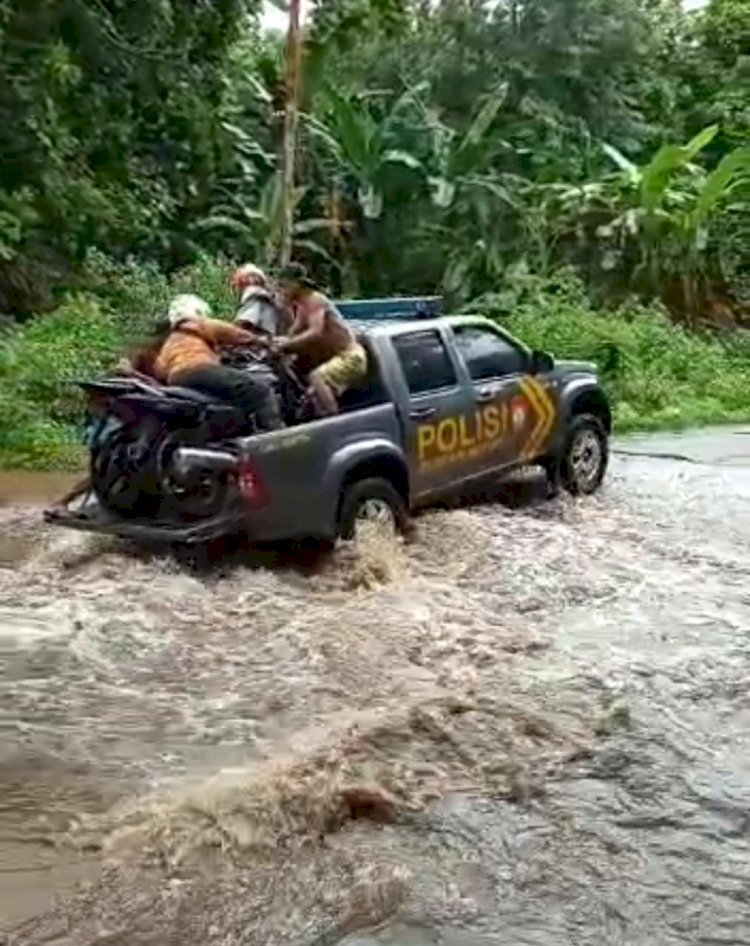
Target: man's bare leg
point(81, 487)
point(323, 396)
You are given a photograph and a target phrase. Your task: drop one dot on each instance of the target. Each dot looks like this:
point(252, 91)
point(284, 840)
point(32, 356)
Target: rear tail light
point(251, 484)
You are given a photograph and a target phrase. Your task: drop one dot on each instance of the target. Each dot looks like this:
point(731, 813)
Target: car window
point(486, 354)
point(424, 361)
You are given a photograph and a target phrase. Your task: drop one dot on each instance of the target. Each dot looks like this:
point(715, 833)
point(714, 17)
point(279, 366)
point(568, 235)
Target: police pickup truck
point(448, 403)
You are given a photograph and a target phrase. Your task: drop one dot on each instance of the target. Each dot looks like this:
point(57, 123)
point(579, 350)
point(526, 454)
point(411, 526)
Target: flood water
point(531, 725)
point(28, 486)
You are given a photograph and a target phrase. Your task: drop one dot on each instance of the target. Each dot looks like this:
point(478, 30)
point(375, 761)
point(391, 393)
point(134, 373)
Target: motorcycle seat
point(189, 394)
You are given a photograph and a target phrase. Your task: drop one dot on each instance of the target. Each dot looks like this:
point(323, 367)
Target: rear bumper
point(92, 518)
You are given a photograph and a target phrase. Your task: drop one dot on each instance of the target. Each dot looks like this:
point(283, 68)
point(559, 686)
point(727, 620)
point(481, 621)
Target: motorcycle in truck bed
point(447, 401)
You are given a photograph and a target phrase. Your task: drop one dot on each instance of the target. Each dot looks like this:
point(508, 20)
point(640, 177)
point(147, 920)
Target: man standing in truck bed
point(326, 345)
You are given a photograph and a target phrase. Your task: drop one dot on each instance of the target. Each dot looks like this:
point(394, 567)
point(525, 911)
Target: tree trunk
point(293, 51)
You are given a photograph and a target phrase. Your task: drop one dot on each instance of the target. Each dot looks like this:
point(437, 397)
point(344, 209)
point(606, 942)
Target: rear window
point(424, 361)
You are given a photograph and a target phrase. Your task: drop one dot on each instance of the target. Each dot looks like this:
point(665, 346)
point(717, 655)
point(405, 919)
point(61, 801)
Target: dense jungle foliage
point(578, 168)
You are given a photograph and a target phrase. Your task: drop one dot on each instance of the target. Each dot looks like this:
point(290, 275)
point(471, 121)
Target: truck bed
point(300, 469)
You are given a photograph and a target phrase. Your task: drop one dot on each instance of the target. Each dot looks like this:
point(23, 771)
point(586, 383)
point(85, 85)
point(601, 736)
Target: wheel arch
point(387, 466)
point(373, 456)
point(590, 400)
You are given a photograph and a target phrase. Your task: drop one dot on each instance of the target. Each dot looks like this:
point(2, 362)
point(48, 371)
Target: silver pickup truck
point(448, 402)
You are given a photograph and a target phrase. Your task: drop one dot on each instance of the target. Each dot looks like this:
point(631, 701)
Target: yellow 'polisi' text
point(465, 436)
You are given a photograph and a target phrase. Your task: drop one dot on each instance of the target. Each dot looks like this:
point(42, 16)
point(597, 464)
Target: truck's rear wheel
point(374, 500)
point(584, 460)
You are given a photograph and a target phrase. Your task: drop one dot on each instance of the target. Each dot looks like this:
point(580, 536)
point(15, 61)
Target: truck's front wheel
point(374, 500)
point(584, 460)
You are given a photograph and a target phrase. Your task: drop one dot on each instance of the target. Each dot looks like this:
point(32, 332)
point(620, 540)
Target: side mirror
point(541, 362)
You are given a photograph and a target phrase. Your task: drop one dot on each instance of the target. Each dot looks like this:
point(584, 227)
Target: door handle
point(422, 413)
point(486, 394)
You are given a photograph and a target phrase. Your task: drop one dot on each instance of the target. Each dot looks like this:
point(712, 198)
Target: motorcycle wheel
point(122, 474)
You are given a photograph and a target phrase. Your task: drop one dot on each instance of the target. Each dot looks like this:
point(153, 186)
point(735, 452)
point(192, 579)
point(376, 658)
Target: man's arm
point(315, 327)
point(224, 333)
point(298, 319)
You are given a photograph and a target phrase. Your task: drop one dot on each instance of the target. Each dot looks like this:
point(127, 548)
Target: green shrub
point(657, 373)
point(136, 293)
point(208, 278)
point(40, 405)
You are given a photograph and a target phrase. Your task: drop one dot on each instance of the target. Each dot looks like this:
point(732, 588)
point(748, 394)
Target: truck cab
point(475, 400)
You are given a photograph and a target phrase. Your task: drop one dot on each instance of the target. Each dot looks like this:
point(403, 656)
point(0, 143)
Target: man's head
point(246, 276)
point(294, 281)
point(187, 308)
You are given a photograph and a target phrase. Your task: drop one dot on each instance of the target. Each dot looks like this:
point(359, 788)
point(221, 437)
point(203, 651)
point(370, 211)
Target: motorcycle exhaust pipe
point(186, 459)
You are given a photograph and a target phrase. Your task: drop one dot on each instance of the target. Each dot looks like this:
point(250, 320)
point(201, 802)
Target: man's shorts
point(344, 370)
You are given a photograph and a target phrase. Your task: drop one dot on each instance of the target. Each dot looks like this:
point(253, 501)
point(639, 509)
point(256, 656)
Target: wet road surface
point(530, 726)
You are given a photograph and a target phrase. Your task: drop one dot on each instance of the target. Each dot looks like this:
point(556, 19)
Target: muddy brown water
point(28, 486)
point(529, 726)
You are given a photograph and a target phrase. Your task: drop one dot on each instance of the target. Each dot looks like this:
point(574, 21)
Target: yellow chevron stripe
point(545, 410)
point(549, 406)
point(529, 389)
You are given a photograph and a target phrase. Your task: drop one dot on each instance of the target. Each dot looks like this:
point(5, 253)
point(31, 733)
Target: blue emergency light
point(410, 307)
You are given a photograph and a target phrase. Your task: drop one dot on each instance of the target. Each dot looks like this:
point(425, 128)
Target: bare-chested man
point(321, 337)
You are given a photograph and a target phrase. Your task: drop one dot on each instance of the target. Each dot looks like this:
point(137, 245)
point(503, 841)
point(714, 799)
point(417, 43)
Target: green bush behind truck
point(448, 402)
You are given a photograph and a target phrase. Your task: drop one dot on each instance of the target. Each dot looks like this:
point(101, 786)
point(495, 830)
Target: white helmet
point(186, 307)
point(249, 274)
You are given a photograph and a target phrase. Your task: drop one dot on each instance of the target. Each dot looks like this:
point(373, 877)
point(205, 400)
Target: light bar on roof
point(408, 307)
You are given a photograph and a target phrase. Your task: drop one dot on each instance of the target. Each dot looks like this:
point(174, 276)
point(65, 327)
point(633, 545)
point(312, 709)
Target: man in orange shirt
point(189, 357)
